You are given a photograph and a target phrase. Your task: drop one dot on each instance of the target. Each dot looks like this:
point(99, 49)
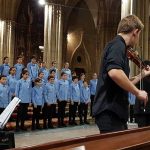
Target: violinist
point(110, 107)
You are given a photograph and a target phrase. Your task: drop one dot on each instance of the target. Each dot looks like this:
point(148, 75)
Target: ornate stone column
point(142, 11)
point(7, 40)
point(53, 34)
point(127, 8)
point(8, 10)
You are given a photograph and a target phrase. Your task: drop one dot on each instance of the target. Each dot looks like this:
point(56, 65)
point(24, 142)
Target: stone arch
point(92, 5)
point(77, 28)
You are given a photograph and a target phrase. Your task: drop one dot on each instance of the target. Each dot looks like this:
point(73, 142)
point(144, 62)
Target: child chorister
point(4, 68)
point(11, 82)
point(50, 97)
point(19, 67)
point(82, 78)
point(63, 97)
point(23, 92)
point(74, 100)
point(41, 77)
point(84, 100)
point(38, 102)
point(93, 84)
point(67, 71)
point(4, 93)
point(33, 69)
point(45, 71)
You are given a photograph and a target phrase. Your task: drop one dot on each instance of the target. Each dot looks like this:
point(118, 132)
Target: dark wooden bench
point(135, 139)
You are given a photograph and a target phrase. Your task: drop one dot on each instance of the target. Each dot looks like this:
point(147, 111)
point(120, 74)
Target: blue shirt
point(50, 93)
point(33, 70)
point(85, 95)
point(93, 84)
point(74, 92)
point(4, 69)
point(38, 95)
point(46, 73)
point(80, 83)
point(11, 82)
point(63, 90)
point(4, 96)
point(23, 90)
point(131, 99)
point(57, 72)
point(19, 68)
point(68, 72)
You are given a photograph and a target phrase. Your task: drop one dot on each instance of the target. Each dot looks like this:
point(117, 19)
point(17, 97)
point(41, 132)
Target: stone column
point(7, 36)
point(127, 8)
point(53, 34)
point(142, 11)
point(8, 11)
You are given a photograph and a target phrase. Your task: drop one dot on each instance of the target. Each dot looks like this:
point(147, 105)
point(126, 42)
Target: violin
point(134, 57)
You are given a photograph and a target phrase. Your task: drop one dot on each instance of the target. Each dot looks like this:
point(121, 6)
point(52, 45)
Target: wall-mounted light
point(42, 2)
point(41, 48)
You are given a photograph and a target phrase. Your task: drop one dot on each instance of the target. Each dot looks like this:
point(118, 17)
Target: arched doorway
point(81, 39)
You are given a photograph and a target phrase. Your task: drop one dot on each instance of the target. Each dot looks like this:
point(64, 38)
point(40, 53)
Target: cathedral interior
point(74, 31)
point(67, 30)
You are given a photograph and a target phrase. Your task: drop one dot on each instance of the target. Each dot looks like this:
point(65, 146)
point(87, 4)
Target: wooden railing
point(135, 139)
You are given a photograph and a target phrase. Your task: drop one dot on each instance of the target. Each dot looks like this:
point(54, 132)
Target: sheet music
point(5, 115)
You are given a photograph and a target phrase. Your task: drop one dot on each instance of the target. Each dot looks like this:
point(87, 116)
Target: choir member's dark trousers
point(36, 117)
point(83, 108)
point(61, 112)
point(72, 112)
point(21, 115)
point(92, 100)
point(49, 112)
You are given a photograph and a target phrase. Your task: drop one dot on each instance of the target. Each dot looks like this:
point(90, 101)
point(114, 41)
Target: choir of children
point(42, 89)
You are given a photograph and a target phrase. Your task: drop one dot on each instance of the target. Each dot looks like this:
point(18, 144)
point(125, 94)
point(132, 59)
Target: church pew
point(134, 139)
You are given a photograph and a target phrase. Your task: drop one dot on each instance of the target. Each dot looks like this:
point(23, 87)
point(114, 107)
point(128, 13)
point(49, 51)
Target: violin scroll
point(134, 57)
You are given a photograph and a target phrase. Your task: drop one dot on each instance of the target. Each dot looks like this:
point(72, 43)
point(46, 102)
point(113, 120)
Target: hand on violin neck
point(146, 72)
point(142, 96)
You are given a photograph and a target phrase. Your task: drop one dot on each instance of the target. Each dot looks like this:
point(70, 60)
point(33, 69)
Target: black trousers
point(72, 112)
point(83, 108)
point(21, 114)
point(36, 116)
point(131, 113)
point(142, 120)
point(61, 112)
point(108, 121)
point(48, 113)
point(92, 100)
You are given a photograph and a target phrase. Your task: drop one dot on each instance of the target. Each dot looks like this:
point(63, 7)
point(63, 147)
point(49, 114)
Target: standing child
point(67, 71)
point(33, 69)
point(41, 77)
point(93, 84)
point(23, 92)
point(53, 67)
point(45, 71)
point(75, 99)
point(4, 68)
point(82, 78)
point(63, 97)
point(50, 97)
point(84, 101)
point(4, 93)
point(11, 82)
point(38, 102)
point(19, 67)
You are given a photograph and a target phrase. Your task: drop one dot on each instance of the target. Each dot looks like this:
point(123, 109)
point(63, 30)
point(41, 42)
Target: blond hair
point(129, 23)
